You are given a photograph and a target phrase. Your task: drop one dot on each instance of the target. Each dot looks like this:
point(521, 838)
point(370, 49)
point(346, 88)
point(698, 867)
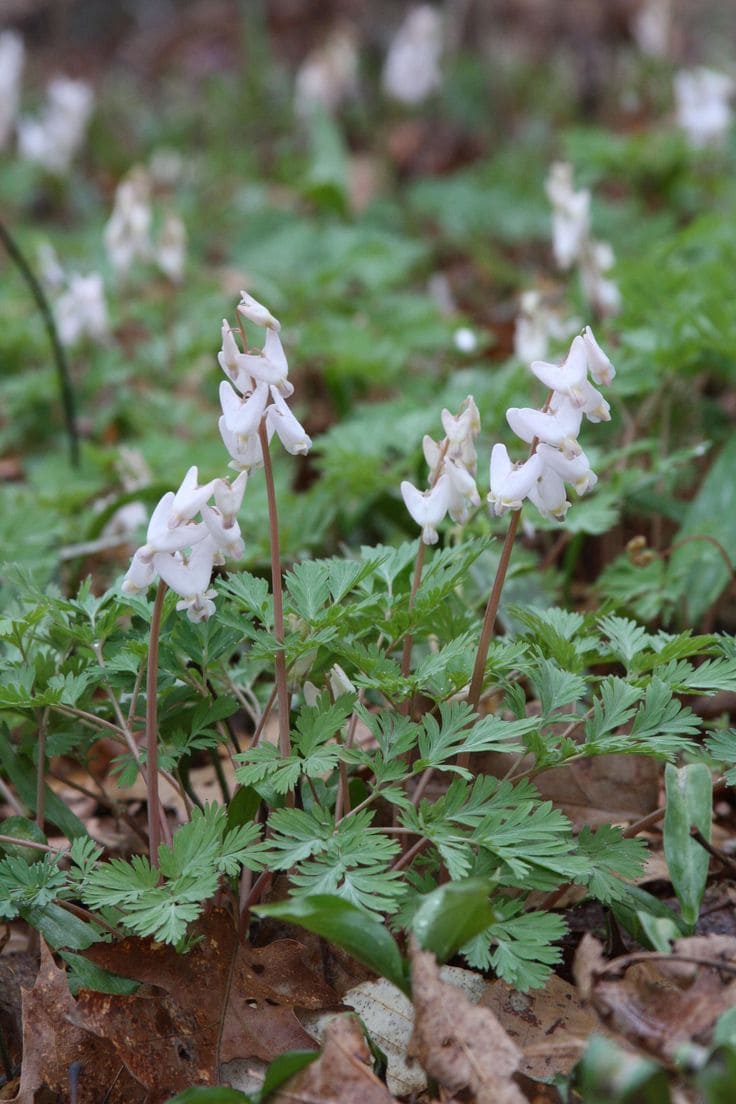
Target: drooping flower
point(560, 428)
point(702, 98)
point(171, 248)
point(189, 577)
point(570, 214)
point(429, 507)
point(254, 311)
point(510, 483)
point(287, 428)
point(127, 234)
point(53, 139)
point(412, 68)
point(81, 309)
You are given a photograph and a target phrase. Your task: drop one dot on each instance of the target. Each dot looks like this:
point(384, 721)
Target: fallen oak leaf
point(341, 1075)
point(53, 1043)
point(459, 1044)
point(224, 1000)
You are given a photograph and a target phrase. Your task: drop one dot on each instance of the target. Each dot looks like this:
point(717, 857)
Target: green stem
point(154, 804)
point(282, 690)
point(62, 367)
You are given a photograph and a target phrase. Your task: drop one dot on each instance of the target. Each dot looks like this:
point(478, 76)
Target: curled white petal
point(226, 535)
point(599, 365)
point(140, 574)
point(229, 496)
point(432, 452)
point(199, 607)
point(189, 499)
point(568, 377)
point(509, 483)
point(463, 493)
point(269, 366)
point(576, 471)
point(560, 428)
point(289, 430)
point(254, 311)
point(243, 416)
point(339, 682)
point(162, 536)
point(246, 452)
point(188, 575)
point(427, 508)
point(229, 353)
point(548, 495)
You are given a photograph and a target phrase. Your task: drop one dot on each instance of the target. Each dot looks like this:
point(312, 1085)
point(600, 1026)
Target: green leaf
point(612, 858)
point(22, 774)
point(689, 799)
point(60, 928)
point(218, 1094)
point(338, 921)
point(86, 975)
point(452, 915)
point(281, 1069)
point(606, 1074)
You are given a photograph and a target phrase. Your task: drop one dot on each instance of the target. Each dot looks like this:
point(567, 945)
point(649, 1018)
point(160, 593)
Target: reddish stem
point(154, 805)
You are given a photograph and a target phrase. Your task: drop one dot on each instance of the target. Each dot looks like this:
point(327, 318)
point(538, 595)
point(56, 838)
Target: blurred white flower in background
point(12, 59)
point(573, 243)
point(171, 248)
point(702, 105)
point(536, 325)
point(412, 68)
point(651, 26)
point(79, 304)
point(329, 75)
point(127, 233)
point(56, 136)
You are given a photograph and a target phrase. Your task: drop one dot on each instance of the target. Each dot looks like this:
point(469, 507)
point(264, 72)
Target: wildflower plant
point(407, 736)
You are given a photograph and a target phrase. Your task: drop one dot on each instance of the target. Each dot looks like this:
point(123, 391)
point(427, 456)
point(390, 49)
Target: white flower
point(339, 681)
point(577, 471)
point(225, 532)
point(428, 508)
point(229, 496)
point(412, 69)
point(243, 416)
point(560, 428)
point(462, 492)
point(569, 377)
point(254, 311)
point(599, 365)
point(12, 59)
point(328, 76)
point(227, 358)
point(171, 248)
point(127, 233)
point(570, 214)
point(163, 536)
point(54, 139)
point(187, 575)
point(290, 432)
point(81, 311)
point(268, 366)
point(140, 574)
point(548, 495)
point(595, 261)
point(650, 25)
point(535, 324)
point(246, 452)
point(461, 430)
point(510, 483)
point(702, 102)
point(190, 498)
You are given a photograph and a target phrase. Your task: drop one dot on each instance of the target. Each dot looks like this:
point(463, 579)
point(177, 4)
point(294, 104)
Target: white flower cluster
point(412, 69)
point(452, 466)
point(127, 234)
point(80, 308)
point(12, 59)
point(328, 76)
point(54, 138)
point(537, 323)
point(182, 550)
point(702, 105)
point(557, 457)
point(572, 241)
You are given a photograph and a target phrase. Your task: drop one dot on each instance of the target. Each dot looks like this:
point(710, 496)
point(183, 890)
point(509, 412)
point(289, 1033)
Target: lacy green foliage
point(601, 684)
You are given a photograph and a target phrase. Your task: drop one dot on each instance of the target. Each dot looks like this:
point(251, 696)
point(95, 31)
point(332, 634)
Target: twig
point(410, 855)
point(41, 768)
point(62, 368)
point(716, 852)
point(32, 844)
point(489, 619)
point(620, 964)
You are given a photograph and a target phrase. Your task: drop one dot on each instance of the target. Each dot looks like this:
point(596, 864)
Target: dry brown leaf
point(460, 1045)
point(224, 1000)
point(659, 1003)
point(600, 790)
point(550, 1025)
point(52, 1044)
point(341, 1075)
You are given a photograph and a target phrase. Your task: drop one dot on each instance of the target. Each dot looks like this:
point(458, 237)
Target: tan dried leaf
point(341, 1075)
point(460, 1045)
